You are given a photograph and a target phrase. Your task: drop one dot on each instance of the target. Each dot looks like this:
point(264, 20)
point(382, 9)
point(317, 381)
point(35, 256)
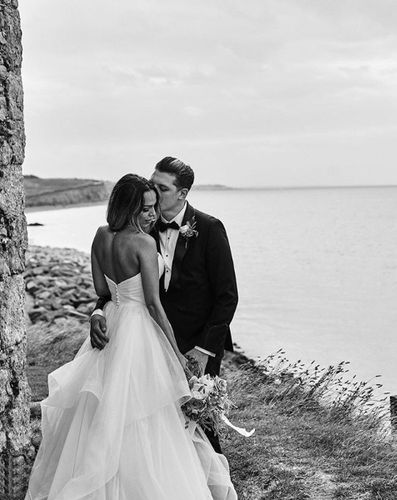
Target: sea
point(316, 270)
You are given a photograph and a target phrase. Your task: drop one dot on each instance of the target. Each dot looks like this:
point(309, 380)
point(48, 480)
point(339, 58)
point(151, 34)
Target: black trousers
point(213, 368)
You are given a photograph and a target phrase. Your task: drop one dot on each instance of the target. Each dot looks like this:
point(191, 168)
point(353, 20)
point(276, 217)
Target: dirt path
point(321, 486)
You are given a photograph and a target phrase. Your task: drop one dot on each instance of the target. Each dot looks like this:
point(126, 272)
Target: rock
point(58, 319)
point(69, 272)
point(36, 440)
point(68, 307)
point(31, 287)
point(59, 282)
point(81, 300)
point(29, 303)
point(69, 295)
point(55, 304)
point(39, 271)
point(38, 313)
point(86, 308)
point(56, 271)
point(35, 409)
point(78, 314)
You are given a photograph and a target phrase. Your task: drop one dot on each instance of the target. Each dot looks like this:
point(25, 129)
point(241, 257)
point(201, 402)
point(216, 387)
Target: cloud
point(260, 80)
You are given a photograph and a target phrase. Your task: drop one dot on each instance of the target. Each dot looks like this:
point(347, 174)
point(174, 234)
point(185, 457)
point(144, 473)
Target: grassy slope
point(59, 191)
point(299, 450)
point(36, 185)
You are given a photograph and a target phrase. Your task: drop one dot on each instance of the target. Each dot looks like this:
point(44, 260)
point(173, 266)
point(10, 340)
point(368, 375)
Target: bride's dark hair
point(126, 201)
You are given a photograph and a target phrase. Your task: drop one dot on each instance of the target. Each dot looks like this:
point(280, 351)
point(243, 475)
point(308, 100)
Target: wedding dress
point(112, 425)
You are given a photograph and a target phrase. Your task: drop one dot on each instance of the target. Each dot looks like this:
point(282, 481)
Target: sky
point(248, 92)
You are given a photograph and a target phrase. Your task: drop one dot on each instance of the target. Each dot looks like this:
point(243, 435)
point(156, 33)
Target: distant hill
point(54, 191)
point(211, 187)
point(63, 191)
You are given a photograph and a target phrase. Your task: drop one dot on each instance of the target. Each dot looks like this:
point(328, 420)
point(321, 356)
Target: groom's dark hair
point(183, 173)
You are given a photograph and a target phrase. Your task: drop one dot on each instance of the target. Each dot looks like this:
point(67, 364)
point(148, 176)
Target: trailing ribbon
point(240, 430)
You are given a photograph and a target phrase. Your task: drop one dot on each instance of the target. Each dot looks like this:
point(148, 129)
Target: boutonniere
point(189, 230)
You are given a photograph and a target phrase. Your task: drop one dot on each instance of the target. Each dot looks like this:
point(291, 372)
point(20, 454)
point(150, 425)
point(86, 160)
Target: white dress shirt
point(168, 240)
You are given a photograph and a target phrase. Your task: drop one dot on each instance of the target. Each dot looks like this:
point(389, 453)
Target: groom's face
point(169, 195)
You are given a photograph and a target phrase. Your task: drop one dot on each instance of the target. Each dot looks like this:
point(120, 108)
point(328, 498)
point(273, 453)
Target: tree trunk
point(14, 392)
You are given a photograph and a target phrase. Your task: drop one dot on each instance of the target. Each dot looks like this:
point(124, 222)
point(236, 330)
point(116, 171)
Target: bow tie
point(163, 226)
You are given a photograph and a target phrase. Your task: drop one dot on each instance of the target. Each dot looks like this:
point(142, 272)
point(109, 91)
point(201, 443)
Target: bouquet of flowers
point(210, 402)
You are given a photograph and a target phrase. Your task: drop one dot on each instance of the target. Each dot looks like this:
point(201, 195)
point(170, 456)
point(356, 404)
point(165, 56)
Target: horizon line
point(314, 186)
point(228, 187)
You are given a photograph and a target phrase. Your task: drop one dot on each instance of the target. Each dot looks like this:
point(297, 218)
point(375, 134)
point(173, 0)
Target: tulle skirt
point(112, 425)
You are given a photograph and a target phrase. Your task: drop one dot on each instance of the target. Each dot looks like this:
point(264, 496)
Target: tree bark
point(14, 391)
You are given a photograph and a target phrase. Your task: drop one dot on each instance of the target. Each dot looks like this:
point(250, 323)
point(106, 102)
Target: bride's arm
point(148, 260)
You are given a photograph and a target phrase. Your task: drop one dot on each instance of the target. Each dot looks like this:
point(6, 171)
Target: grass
point(64, 192)
point(50, 346)
point(318, 435)
point(36, 185)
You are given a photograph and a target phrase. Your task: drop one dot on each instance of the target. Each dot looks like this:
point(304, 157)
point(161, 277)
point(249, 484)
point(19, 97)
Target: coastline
point(47, 208)
point(50, 207)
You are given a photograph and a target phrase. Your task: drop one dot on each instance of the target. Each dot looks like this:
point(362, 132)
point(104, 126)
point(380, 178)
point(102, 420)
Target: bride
point(112, 424)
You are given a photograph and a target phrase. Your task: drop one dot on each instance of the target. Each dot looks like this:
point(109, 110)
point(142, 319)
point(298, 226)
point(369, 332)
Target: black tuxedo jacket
point(202, 295)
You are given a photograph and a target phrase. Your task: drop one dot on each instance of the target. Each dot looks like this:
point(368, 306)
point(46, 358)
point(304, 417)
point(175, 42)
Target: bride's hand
point(182, 360)
point(200, 358)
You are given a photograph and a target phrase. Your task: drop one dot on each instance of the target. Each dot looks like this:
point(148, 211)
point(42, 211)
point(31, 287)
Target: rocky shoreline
point(58, 285)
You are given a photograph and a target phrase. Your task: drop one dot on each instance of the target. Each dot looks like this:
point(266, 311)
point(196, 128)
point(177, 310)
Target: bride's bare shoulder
point(104, 230)
point(145, 239)
point(102, 233)
point(145, 242)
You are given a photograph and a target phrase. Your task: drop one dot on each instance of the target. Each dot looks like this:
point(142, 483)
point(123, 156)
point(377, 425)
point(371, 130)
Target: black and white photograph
point(198, 250)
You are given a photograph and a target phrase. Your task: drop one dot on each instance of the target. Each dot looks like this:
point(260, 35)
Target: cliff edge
point(54, 192)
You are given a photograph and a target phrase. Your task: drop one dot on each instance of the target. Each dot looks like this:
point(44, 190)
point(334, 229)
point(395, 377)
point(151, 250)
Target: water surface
point(316, 268)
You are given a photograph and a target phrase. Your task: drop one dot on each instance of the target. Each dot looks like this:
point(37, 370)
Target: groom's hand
point(98, 335)
point(200, 357)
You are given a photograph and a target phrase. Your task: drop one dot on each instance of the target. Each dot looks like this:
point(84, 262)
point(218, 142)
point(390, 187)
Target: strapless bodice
point(130, 289)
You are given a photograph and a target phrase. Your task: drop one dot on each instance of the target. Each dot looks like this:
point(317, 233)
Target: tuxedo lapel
point(182, 245)
point(155, 234)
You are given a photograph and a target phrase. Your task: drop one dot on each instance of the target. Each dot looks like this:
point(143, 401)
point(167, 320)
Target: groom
point(198, 288)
